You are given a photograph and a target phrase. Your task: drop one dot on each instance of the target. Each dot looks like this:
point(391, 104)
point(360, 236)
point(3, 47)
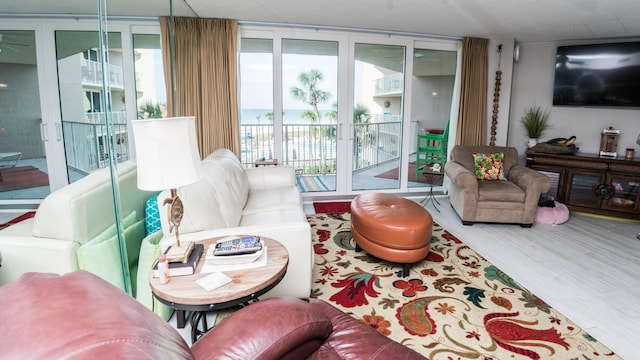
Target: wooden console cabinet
point(590, 183)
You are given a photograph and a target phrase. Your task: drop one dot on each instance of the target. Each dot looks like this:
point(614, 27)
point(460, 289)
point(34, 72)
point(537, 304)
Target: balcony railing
point(86, 144)
point(310, 147)
point(92, 74)
point(313, 147)
point(390, 84)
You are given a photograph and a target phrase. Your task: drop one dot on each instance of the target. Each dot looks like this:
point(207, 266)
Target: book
point(180, 268)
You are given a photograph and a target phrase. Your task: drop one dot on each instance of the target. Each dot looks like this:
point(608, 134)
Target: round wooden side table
point(182, 293)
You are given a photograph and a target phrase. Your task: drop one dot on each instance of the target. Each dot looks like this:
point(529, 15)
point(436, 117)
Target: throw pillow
point(101, 255)
point(149, 251)
point(152, 222)
point(488, 167)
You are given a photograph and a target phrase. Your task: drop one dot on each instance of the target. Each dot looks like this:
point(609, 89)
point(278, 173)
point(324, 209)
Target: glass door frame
point(47, 74)
point(405, 108)
point(278, 36)
point(405, 149)
point(346, 52)
point(48, 93)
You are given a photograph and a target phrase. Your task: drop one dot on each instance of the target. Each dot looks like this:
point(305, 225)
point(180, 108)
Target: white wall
point(532, 84)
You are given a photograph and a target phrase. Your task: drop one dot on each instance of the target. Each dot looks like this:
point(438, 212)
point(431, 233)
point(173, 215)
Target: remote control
point(241, 245)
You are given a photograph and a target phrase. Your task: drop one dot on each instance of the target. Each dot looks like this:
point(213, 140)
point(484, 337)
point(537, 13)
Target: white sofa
point(67, 219)
point(231, 200)
point(228, 200)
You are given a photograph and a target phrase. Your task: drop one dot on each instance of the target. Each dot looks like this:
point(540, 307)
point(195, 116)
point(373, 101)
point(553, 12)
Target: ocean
point(290, 116)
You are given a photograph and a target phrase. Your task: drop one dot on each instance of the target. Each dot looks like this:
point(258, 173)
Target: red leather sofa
point(80, 316)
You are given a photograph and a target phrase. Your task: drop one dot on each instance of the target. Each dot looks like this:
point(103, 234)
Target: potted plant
point(535, 121)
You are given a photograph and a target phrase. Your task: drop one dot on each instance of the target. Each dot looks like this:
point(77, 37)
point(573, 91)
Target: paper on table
point(209, 267)
point(214, 281)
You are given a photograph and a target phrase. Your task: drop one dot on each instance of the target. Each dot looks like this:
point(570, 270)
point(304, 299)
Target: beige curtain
point(206, 79)
point(472, 115)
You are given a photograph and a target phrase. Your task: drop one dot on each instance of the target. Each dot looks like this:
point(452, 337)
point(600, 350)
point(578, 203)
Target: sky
point(257, 80)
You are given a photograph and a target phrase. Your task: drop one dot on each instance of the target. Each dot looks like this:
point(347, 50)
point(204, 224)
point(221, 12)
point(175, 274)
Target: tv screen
point(598, 75)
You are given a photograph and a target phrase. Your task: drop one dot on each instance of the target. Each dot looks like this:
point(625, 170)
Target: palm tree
point(360, 114)
point(149, 110)
point(332, 131)
point(310, 93)
point(362, 135)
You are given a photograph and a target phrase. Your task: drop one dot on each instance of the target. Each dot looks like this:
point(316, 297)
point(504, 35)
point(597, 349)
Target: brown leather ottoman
point(391, 228)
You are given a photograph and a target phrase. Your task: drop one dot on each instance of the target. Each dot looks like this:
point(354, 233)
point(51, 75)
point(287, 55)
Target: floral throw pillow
point(488, 167)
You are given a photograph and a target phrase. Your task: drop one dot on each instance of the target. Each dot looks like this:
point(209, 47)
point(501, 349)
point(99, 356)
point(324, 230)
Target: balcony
point(310, 148)
point(87, 143)
point(389, 85)
point(92, 74)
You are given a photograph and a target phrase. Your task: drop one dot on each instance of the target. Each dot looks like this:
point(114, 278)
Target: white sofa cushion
point(201, 208)
point(274, 199)
point(230, 183)
point(82, 211)
point(273, 217)
point(274, 177)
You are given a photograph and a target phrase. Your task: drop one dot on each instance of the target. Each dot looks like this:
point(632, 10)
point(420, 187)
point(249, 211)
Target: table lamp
point(168, 157)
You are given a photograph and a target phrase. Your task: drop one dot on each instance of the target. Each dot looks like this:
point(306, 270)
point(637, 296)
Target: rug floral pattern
point(453, 305)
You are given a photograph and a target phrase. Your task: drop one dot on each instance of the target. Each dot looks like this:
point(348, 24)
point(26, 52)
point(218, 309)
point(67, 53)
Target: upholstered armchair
point(493, 188)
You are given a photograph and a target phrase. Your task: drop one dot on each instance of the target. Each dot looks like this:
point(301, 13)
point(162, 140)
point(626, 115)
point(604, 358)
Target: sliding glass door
point(310, 108)
point(84, 121)
point(23, 163)
point(257, 139)
point(377, 116)
point(341, 108)
point(433, 78)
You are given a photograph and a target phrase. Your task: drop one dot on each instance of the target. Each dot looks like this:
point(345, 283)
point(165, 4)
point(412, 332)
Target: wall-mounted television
point(598, 75)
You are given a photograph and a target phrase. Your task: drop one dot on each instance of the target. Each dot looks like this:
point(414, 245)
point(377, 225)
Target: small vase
point(531, 142)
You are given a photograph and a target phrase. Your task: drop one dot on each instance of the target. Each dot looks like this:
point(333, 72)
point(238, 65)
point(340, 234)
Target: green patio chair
point(431, 149)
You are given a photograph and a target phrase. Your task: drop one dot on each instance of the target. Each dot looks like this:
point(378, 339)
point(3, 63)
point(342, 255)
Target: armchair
point(513, 200)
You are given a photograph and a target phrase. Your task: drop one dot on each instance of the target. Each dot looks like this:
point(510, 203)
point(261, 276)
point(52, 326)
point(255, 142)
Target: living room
point(526, 82)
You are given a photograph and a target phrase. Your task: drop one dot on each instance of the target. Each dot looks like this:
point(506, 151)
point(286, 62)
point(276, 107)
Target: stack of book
point(182, 268)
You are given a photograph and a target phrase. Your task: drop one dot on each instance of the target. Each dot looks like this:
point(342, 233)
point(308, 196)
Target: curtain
point(206, 79)
point(472, 116)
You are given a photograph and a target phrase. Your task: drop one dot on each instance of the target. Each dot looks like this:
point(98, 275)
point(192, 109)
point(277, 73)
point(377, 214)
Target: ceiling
point(522, 20)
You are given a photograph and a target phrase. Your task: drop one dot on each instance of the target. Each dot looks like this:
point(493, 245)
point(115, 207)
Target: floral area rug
point(453, 305)
point(332, 207)
point(25, 216)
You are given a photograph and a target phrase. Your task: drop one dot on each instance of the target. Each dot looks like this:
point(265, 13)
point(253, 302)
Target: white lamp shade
point(166, 152)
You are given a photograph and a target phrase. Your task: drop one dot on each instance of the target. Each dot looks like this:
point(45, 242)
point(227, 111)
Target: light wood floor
point(588, 269)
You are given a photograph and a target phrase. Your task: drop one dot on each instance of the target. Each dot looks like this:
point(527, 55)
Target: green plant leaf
point(535, 121)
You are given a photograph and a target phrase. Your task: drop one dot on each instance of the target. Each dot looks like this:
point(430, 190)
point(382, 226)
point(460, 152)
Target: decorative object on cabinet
point(609, 142)
point(558, 145)
point(591, 183)
point(535, 121)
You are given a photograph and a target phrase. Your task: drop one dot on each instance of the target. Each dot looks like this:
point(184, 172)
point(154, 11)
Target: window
point(332, 104)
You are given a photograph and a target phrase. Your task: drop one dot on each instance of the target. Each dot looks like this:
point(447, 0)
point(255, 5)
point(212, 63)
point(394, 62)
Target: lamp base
point(180, 253)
